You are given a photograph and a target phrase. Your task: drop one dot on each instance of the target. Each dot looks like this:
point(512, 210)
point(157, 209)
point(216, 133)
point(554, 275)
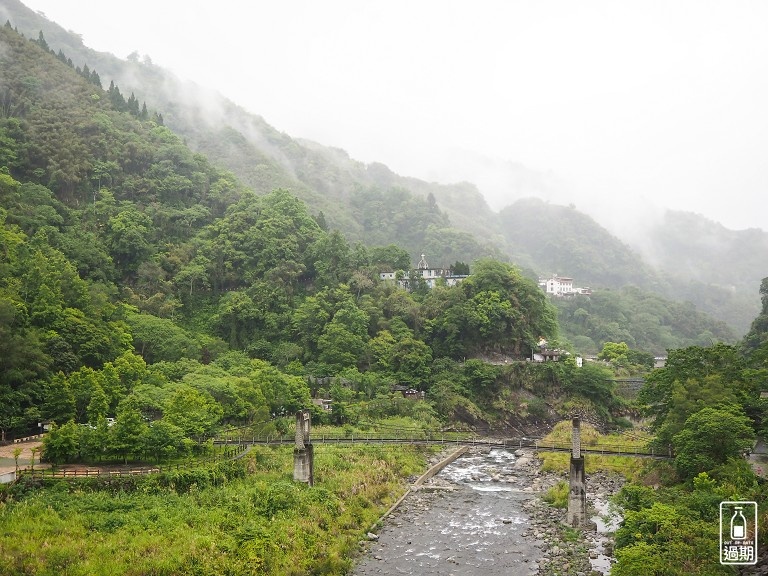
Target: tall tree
point(710, 437)
point(193, 411)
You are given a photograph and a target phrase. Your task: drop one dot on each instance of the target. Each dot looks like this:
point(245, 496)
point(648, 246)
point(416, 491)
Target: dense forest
point(707, 267)
point(150, 299)
point(135, 271)
point(136, 274)
point(641, 319)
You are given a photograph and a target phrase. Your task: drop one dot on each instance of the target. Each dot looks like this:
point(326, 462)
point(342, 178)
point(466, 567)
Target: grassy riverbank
point(244, 517)
point(627, 466)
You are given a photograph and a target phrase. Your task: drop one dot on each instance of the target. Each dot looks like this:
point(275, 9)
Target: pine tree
point(133, 105)
point(115, 97)
point(320, 219)
point(42, 42)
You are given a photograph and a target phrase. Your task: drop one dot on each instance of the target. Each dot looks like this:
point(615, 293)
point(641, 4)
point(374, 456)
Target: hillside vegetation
point(138, 274)
point(141, 282)
point(540, 238)
point(243, 517)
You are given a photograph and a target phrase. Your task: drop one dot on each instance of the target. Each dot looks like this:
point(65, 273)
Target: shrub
point(557, 495)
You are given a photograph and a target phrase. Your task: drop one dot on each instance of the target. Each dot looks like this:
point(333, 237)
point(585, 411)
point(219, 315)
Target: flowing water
point(607, 522)
point(475, 529)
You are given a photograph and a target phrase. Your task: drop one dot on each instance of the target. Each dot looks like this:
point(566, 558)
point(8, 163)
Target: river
point(469, 521)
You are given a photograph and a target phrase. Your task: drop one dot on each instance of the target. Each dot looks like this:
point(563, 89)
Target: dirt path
point(7, 462)
point(758, 458)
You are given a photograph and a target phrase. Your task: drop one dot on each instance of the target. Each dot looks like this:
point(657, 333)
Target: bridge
point(237, 443)
point(628, 387)
point(537, 444)
point(304, 450)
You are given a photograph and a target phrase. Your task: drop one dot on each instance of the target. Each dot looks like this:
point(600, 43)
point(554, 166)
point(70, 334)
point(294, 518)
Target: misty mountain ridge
point(683, 256)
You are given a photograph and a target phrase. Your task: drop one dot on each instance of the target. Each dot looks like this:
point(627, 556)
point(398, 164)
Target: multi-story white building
point(558, 285)
point(561, 286)
point(431, 276)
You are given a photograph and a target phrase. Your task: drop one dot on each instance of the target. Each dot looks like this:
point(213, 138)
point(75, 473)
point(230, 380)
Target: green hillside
point(699, 259)
point(152, 299)
point(539, 237)
point(139, 279)
point(561, 240)
point(718, 269)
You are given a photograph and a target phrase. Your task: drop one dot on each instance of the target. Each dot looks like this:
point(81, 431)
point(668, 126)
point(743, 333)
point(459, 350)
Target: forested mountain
point(265, 159)
point(448, 223)
point(150, 297)
point(694, 260)
point(132, 264)
point(139, 280)
point(718, 269)
point(641, 319)
point(562, 240)
point(706, 251)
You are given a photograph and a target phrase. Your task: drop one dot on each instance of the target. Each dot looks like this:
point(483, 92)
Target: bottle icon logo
point(738, 533)
point(738, 525)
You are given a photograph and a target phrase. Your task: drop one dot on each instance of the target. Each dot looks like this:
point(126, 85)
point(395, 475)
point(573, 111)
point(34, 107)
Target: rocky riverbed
point(483, 515)
point(569, 551)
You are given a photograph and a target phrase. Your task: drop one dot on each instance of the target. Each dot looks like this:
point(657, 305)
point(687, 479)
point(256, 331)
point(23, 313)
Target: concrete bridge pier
point(577, 480)
point(303, 452)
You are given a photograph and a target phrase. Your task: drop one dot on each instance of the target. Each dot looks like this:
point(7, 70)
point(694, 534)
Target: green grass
point(246, 517)
point(559, 462)
point(557, 495)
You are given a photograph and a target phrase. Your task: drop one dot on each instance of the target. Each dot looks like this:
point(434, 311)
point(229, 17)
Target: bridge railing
point(341, 436)
point(605, 449)
point(456, 439)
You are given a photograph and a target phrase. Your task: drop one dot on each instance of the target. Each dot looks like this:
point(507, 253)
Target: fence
point(44, 473)
point(28, 438)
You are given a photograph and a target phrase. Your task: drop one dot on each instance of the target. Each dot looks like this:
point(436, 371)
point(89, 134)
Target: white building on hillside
point(561, 286)
point(431, 276)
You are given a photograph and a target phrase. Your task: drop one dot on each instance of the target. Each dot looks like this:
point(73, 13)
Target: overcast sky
point(620, 105)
